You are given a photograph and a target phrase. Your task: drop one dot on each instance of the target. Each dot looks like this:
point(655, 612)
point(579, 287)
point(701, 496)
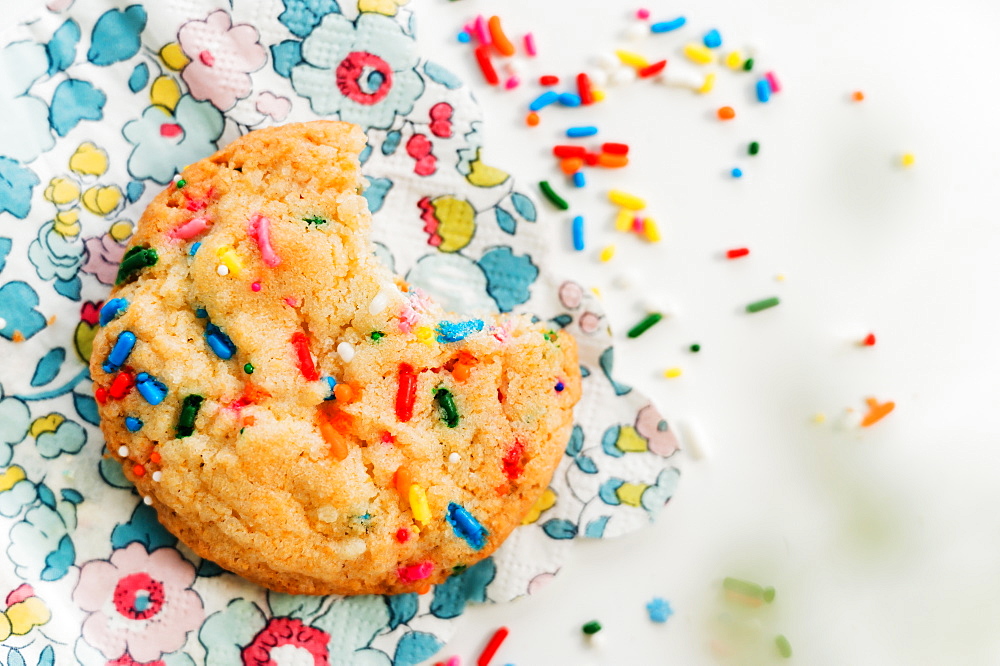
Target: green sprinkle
point(754, 148)
point(764, 304)
point(695, 348)
point(748, 64)
point(745, 588)
point(135, 260)
point(181, 183)
point(248, 368)
point(550, 336)
point(550, 194)
point(592, 627)
point(189, 412)
point(644, 325)
point(315, 219)
point(447, 403)
point(459, 568)
point(377, 335)
point(768, 594)
point(784, 647)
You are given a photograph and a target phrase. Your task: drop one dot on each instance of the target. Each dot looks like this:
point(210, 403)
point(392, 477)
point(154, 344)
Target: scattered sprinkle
point(545, 99)
point(753, 148)
point(255, 286)
point(659, 610)
point(763, 304)
point(529, 45)
point(645, 324)
point(532, 119)
point(784, 647)
point(668, 26)
point(819, 417)
point(492, 646)
point(736, 172)
point(579, 179)
point(626, 200)
point(695, 348)
point(500, 41)
point(346, 351)
point(553, 198)
point(548, 80)
point(726, 113)
point(222, 270)
point(763, 89)
point(578, 240)
point(607, 253)
point(486, 65)
point(581, 131)
point(858, 96)
point(672, 373)
point(869, 340)
point(908, 160)
point(698, 54)
point(736, 253)
point(876, 411)
point(591, 627)
point(712, 39)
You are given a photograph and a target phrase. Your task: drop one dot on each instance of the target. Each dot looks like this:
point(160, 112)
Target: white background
point(883, 543)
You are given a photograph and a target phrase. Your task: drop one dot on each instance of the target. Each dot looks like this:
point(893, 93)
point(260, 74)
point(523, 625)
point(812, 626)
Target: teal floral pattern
point(105, 103)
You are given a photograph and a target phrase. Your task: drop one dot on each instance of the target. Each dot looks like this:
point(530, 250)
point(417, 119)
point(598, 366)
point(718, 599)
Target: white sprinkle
point(598, 78)
point(680, 76)
point(147, 500)
point(637, 31)
point(454, 457)
point(123, 451)
point(692, 439)
point(607, 60)
point(379, 303)
point(623, 75)
point(222, 270)
point(3, 323)
point(346, 351)
point(157, 475)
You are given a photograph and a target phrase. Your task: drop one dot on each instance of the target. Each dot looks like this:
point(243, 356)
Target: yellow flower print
point(26, 611)
point(11, 475)
point(102, 200)
point(62, 191)
point(67, 223)
point(165, 92)
point(544, 503)
point(387, 7)
point(173, 56)
point(89, 160)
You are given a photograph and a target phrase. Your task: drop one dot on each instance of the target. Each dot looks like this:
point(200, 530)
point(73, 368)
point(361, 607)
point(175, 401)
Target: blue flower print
point(167, 142)
point(16, 183)
point(14, 418)
point(301, 16)
point(25, 132)
point(54, 256)
point(362, 70)
point(18, 315)
point(40, 545)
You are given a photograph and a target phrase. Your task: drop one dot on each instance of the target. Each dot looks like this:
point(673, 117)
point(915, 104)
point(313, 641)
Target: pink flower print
point(222, 57)
point(272, 105)
point(283, 634)
point(104, 254)
point(651, 425)
point(140, 603)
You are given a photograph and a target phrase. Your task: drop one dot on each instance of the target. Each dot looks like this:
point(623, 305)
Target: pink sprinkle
point(255, 286)
point(512, 83)
point(454, 661)
point(638, 225)
point(170, 130)
point(292, 301)
point(482, 31)
point(642, 14)
point(415, 572)
point(529, 44)
point(206, 58)
point(260, 229)
point(772, 81)
point(191, 228)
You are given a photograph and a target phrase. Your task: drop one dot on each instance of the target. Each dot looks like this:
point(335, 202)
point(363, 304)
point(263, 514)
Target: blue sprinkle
point(194, 248)
point(220, 343)
point(201, 313)
point(763, 91)
point(659, 610)
point(120, 352)
point(581, 131)
point(113, 309)
point(579, 179)
point(560, 387)
point(331, 382)
point(133, 424)
point(543, 100)
point(578, 243)
point(453, 331)
point(466, 526)
point(667, 26)
point(153, 390)
point(570, 99)
point(712, 39)
point(736, 172)
point(464, 37)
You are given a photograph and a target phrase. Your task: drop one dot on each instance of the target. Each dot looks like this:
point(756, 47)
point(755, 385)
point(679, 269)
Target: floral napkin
point(104, 102)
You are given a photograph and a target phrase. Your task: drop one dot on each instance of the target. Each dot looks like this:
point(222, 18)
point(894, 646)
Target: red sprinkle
point(415, 572)
point(406, 394)
point(121, 385)
point(402, 535)
point(562, 152)
point(584, 89)
point(512, 466)
point(387, 437)
point(652, 70)
point(737, 253)
point(306, 365)
point(139, 470)
point(869, 340)
point(491, 648)
point(548, 80)
point(101, 395)
point(486, 65)
point(615, 148)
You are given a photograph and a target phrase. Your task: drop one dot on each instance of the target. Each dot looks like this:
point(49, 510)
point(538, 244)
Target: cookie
point(295, 412)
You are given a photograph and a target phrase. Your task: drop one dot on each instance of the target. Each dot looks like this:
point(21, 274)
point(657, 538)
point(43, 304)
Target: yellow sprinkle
point(908, 159)
point(819, 417)
point(598, 95)
point(418, 504)
point(734, 60)
point(670, 373)
point(596, 291)
point(230, 260)
point(652, 230)
point(709, 83)
point(780, 277)
point(632, 59)
point(607, 253)
point(424, 334)
point(626, 200)
point(623, 221)
point(698, 53)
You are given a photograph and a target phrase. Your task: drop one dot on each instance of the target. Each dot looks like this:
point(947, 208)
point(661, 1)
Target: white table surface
point(883, 543)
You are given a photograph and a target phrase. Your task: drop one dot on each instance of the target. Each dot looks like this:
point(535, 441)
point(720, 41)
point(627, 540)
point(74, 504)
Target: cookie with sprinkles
point(293, 410)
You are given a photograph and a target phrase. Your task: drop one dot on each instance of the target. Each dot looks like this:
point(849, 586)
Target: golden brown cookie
point(291, 409)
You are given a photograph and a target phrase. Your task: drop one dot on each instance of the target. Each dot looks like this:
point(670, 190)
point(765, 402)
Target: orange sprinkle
point(139, 470)
point(331, 435)
point(532, 119)
point(858, 96)
point(612, 161)
point(155, 457)
point(726, 113)
point(499, 38)
point(51, 320)
point(17, 337)
point(402, 480)
point(876, 411)
point(343, 392)
point(253, 393)
point(461, 372)
point(571, 165)
point(424, 587)
point(248, 421)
